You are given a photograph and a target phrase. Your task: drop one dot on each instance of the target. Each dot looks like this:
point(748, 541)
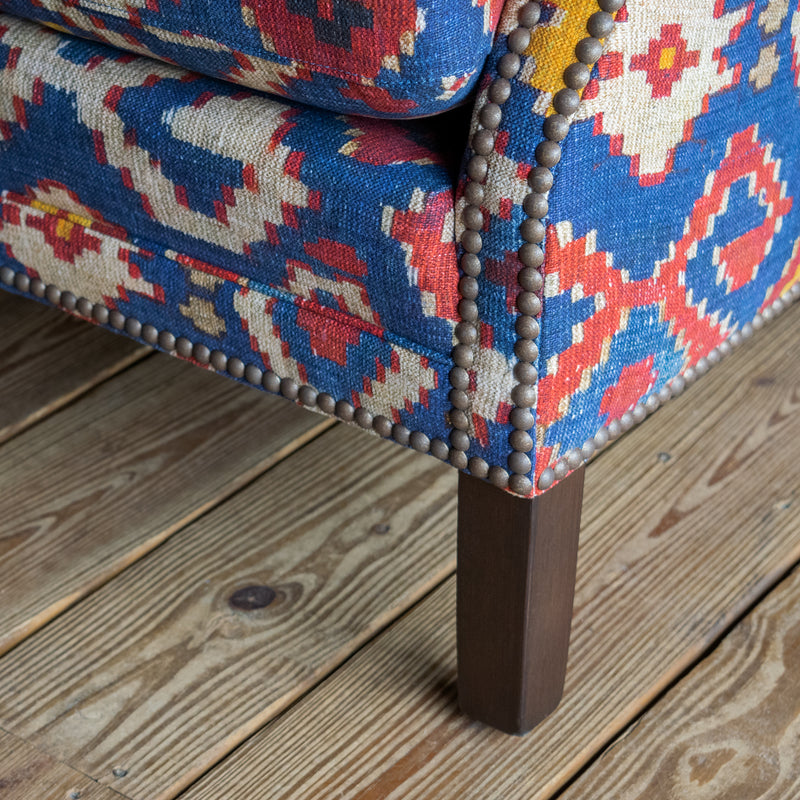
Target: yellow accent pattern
point(70, 217)
point(552, 45)
point(667, 58)
point(55, 26)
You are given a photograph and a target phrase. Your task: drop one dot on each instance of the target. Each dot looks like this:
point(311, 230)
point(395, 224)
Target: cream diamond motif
point(662, 65)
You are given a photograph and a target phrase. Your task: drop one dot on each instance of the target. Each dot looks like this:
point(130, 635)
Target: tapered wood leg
point(516, 579)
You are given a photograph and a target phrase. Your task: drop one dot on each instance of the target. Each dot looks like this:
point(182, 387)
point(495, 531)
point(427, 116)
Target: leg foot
point(516, 579)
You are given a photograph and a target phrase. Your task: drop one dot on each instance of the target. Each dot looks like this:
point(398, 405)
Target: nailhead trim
point(536, 205)
point(574, 457)
point(250, 373)
point(467, 335)
point(540, 180)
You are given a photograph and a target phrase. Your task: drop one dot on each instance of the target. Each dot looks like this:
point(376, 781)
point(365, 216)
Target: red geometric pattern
point(340, 37)
point(575, 269)
point(666, 60)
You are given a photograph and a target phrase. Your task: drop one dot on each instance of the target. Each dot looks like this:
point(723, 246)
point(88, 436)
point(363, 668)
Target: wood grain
point(164, 670)
point(49, 358)
point(28, 774)
point(729, 729)
point(92, 488)
point(516, 578)
point(686, 522)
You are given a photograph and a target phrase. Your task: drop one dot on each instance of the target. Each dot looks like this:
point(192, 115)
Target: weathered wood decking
point(141, 499)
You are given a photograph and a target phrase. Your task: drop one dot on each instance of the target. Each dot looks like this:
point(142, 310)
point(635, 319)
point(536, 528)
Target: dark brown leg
point(516, 579)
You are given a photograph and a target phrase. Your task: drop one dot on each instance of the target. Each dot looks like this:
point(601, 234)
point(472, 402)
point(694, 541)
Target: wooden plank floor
point(206, 592)
point(730, 728)
point(49, 359)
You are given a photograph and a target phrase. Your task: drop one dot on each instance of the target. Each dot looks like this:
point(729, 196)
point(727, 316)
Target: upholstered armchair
point(499, 233)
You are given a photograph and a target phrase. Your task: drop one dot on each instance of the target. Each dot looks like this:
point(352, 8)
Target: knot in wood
point(249, 598)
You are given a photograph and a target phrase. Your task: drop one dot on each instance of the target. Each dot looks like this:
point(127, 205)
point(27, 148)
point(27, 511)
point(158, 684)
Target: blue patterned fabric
point(312, 244)
point(674, 217)
point(385, 59)
point(315, 254)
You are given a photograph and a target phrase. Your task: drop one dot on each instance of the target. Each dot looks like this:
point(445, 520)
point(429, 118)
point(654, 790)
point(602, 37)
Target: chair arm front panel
point(631, 240)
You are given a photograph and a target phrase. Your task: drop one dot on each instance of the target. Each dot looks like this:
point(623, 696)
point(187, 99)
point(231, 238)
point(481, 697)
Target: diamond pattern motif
point(384, 59)
point(666, 59)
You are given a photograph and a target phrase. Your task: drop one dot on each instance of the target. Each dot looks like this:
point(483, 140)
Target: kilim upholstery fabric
point(674, 216)
point(324, 242)
point(384, 58)
point(341, 258)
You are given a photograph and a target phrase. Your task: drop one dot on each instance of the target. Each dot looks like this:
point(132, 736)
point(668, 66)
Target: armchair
point(294, 194)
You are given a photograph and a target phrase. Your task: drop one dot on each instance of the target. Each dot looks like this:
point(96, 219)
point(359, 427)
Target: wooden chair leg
point(516, 580)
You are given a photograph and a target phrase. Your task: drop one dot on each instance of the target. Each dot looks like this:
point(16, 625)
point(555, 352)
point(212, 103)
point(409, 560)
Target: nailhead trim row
point(540, 181)
point(531, 254)
point(576, 456)
point(308, 396)
point(467, 336)
point(257, 376)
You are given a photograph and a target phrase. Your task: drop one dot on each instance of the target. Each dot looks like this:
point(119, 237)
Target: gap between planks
point(729, 728)
point(49, 359)
point(95, 486)
point(29, 774)
point(685, 525)
point(158, 673)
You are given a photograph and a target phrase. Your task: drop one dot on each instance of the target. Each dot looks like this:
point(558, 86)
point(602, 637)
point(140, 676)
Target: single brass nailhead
point(166, 340)
point(478, 467)
point(344, 410)
point(363, 418)
point(133, 327)
point(307, 395)
point(183, 347)
point(383, 426)
point(272, 383)
point(150, 334)
point(439, 449)
point(85, 306)
point(201, 353)
point(458, 458)
point(235, 365)
point(53, 294)
point(253, 374)
point(100, 313)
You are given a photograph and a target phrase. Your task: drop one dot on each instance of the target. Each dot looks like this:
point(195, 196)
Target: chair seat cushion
point(318, 246)
point(387, 59)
